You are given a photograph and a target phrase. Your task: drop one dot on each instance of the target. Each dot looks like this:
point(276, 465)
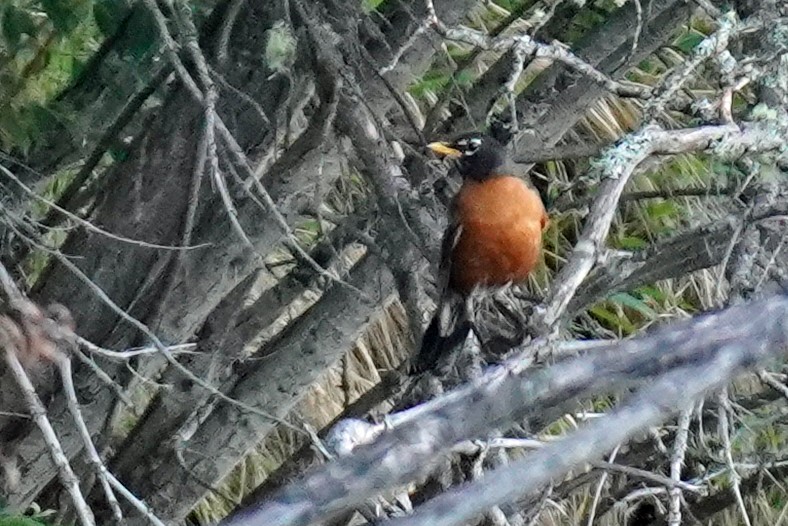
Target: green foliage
point(41, 44)
point(280, 47)
point(436, 82)
point(19, 521)
point(687, 42)
point(44, 47)
point(370, 5)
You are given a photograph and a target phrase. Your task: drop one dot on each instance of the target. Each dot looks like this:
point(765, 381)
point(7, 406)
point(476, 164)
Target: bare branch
point(712, 45)
point(184, 348)
point(725, 413)
point(769, 379)
point(648, 475)
point(104, 377)
point(676, 461)
point(600, 486)
point(160, 347)
point(526, 45)
point(709, 350)
point(615, 169)
point(64, 365)
point(505, 485)
point(38, 412)
point(215, 124)
point(87, 224)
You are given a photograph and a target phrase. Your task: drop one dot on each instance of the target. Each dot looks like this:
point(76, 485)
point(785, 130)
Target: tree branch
point(708, 350)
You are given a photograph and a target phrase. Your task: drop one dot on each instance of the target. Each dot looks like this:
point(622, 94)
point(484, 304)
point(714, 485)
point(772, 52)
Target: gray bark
point(274, 383)
point(146, 197)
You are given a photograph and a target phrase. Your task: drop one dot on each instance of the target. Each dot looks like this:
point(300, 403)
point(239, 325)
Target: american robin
point(494, 237)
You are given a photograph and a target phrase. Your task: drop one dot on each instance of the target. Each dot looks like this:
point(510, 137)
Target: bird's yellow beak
point(444, 150)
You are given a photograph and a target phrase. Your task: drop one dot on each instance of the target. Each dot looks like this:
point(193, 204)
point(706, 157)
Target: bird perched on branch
point(494, 237)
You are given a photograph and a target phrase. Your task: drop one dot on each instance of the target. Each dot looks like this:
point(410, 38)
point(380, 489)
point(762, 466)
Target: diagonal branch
point(711, 347)
point(526, 45)
point(615, 170)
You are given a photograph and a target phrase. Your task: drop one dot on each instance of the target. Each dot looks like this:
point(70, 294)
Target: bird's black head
point(478, 155)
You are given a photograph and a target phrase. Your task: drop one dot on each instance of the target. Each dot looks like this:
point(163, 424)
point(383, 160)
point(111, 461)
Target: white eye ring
point(471, 145)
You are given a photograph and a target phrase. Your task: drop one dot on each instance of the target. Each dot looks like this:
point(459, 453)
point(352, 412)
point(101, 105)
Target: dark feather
point(434, 345)
point(449, 326)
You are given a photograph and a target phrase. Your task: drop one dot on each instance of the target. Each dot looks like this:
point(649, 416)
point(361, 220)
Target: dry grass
point(383, 346)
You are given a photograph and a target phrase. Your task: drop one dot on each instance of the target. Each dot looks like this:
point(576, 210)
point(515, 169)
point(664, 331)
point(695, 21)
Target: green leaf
point(17, 22)
point(612, 320)
point(662, 209)
point(370, 5)
point(650, 66)
point(432, 81)
point(686, 43)
point(627, 300)
point(464, 78)
point(118, 153)
point(652, 292)
point(632, 243)
point(506, 4)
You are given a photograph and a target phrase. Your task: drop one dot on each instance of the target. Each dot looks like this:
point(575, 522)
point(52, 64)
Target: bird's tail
point(435, 345)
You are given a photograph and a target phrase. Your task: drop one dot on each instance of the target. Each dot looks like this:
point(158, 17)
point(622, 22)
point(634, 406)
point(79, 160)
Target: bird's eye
point(470, 145)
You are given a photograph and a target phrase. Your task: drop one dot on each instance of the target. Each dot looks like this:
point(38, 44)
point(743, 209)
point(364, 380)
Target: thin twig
point(228, 23)
point(270, 205)
point(160, 347)
point(87, 224)
point(649, 475)
point(506, 484)
point(104, 377)
point(691, 362)
point(184, 348)
point(710, 8)
point(67, 476)
point(242, 95)
point(712, 45)
point(676, 461)
point(599, 487)
point(724, 413)
point(107, 139)
point(536, 511)
point(769, 379)
point(638, 31)
point(64, 365)
point(529, 46)
point(133, 500)
point(614, 170)
point(215, 124)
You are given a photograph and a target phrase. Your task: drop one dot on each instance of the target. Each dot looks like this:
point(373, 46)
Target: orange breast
point(502, 221)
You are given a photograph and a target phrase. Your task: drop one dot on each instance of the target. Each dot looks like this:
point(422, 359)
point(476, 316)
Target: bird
point(493, 238)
